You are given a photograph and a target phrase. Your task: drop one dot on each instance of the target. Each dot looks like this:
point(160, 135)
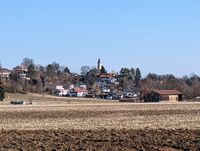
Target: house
point(24, 68)
point(77, 92)
point(105, 90)
point(107, 78)
point(4, 73)
point(163, 95)
point(81, 85)
point(71, 86)
point(21, 71)
point(61, 91)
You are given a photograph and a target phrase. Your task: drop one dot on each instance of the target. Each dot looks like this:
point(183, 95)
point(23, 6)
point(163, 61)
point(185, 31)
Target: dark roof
point(4, 70)
point(168, 92)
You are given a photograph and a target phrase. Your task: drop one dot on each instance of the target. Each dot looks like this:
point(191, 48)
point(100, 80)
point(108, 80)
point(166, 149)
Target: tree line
point(189, 86)
point(43, 79)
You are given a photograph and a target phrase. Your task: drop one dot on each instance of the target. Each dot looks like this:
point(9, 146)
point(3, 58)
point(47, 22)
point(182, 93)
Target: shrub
point(2, 93)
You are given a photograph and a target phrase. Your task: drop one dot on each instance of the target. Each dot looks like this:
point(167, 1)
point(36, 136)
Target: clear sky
point(161, 36)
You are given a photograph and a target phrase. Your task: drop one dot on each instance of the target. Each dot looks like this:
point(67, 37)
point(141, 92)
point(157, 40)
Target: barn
point(163, 95)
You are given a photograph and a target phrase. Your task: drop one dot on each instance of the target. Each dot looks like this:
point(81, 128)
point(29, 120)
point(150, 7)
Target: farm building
point(163, 95)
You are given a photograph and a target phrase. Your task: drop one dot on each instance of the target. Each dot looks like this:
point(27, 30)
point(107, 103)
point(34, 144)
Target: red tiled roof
point(106, 75)
point(79, 90)
point(168, 92)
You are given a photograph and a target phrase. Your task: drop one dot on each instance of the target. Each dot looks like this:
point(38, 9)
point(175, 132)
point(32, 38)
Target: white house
point(61, 91)
point(105, 90)
point(4, 73)
point(77, 92)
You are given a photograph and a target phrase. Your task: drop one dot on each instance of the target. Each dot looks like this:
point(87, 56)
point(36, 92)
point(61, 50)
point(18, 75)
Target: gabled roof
point(106, 75)
point(168, 92)
point(78, 90)
point(4, 70)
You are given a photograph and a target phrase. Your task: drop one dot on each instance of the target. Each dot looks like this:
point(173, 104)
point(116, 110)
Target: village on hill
point(127, 85)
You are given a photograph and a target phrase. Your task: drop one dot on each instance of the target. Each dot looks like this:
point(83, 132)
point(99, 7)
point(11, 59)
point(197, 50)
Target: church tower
point(99, 65)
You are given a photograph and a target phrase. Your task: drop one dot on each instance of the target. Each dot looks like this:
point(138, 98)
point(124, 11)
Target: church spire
point(99, 65)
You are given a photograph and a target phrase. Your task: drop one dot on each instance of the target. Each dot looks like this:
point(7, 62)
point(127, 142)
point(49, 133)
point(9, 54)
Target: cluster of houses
point(103, 82)
point(78, 90)
point(21, 70)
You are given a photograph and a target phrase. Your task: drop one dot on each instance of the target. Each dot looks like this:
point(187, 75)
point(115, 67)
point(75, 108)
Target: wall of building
point(155, 97)
point(171, 98)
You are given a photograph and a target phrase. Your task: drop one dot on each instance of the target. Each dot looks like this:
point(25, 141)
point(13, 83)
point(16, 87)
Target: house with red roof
point(107, 78)
point(78, 92)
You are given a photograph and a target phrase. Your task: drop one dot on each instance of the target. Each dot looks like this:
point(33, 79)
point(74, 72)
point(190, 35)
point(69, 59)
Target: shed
point(163, 95)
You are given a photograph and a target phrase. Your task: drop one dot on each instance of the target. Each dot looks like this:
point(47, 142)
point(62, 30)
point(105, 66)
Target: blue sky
point(161, 36)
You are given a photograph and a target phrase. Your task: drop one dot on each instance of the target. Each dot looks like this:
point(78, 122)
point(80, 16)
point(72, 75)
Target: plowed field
point(100, 126)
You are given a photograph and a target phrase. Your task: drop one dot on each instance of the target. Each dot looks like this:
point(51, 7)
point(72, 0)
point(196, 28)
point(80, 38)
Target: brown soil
point(110, 116)
point(100, 126)
point(106, 140)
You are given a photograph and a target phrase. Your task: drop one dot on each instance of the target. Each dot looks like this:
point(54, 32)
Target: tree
point(132, 71)
point(152, 76)
point(31, 70)
point(49, 69)
point(103, 70)
point(52, 68)
point(137, 77)
point(124, 72)
point(27, 62)
point(39, 68)
point(127, 80)
point(66, 70)
point(25, 86)
point(55, 66)
point(187, 80)
point(91, 77)
point(85, 70)
point(2, 92)
point(96, 90)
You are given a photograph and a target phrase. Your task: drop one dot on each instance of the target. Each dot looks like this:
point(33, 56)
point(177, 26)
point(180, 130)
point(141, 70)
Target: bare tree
point(27, 62)
point(85, 70)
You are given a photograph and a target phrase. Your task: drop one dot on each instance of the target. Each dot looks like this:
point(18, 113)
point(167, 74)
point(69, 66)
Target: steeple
point(99, 65)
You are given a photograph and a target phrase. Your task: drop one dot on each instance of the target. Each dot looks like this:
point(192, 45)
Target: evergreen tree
point(50, 70)
point(2, 92)
point(66, 70)
point(137, 77)
point(103, 70)
point(125, 72)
